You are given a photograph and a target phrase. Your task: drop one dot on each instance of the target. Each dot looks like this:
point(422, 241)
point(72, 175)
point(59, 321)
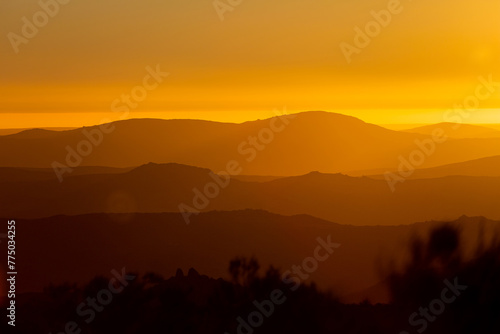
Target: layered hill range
point(285, 146)
point(180, 188)
point(149, 195)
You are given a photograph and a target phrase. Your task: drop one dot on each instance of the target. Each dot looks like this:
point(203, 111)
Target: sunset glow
point(231, 70)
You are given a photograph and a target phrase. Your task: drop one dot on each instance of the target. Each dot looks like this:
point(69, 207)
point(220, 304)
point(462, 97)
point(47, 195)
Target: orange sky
point(265, 55)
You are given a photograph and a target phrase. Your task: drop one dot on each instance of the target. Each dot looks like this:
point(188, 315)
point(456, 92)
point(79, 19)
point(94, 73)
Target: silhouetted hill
point(454, 130)
point(35, 134)
point(300, 143)
point(6, 132)
point(489, 166)
point(12, 174)
point(335, 197)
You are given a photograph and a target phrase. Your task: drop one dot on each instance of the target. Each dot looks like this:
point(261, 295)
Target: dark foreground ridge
point(438, 291)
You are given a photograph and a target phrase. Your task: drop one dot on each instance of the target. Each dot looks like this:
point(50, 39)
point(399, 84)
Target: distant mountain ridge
point(489, 166)
point(6, 132)
point(176, 187)
point(458, 131)
point(286, 146)
point(11, 174)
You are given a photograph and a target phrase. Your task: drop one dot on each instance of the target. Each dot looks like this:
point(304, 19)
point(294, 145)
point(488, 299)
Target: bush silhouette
point(442, 258)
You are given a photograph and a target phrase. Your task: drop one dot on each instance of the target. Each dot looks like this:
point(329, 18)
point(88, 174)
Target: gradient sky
point(265, 55)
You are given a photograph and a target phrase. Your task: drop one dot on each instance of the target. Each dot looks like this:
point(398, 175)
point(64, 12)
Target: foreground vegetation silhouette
point(194, 303)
